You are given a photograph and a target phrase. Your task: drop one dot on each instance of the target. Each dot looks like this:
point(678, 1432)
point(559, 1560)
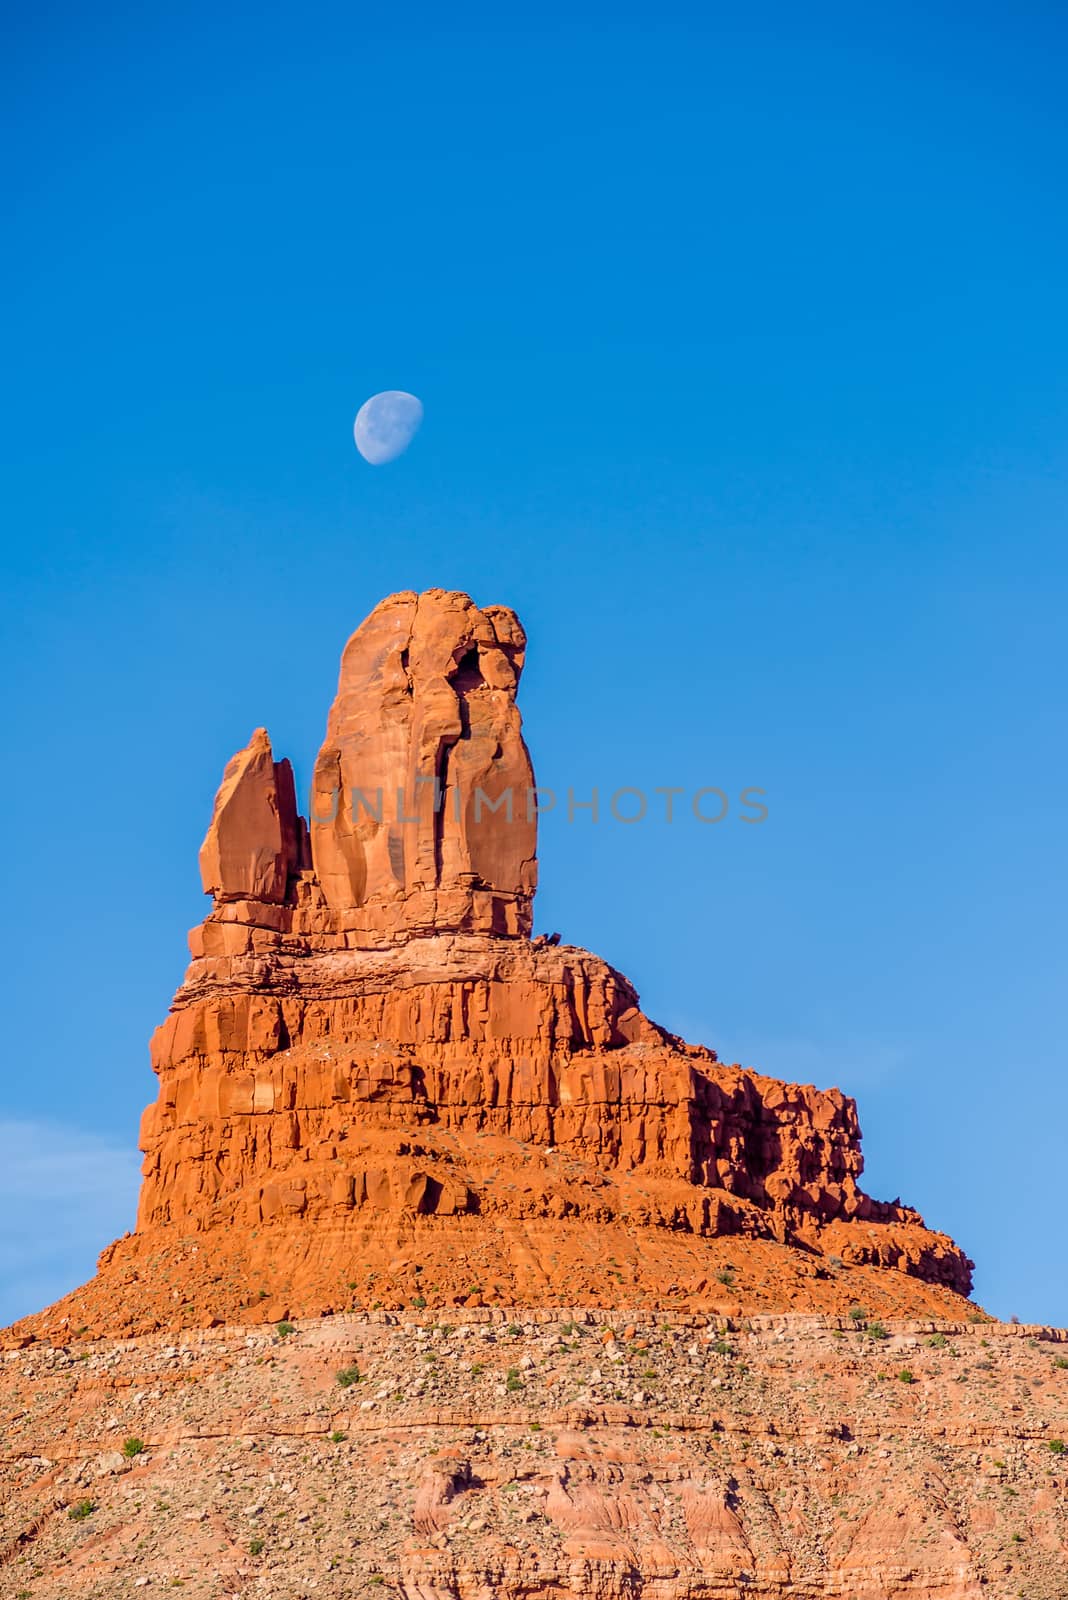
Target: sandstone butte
point(375, 1086)
point(622, 1319)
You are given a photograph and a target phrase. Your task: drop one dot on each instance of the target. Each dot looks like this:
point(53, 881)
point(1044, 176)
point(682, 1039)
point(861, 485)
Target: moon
point(386, 425)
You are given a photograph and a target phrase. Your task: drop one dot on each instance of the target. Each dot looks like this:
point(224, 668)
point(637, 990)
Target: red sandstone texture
point(376, 1087)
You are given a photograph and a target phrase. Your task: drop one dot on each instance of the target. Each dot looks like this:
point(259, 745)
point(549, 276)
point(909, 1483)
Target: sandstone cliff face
point(252, 848)
point(423, 744)
point(375, 1079)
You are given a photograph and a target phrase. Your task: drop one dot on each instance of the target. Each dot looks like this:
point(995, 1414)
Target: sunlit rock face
point(422, 810)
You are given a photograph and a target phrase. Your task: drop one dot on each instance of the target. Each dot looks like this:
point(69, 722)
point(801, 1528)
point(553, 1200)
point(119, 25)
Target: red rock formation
point(373, 1076)
point(423, 746)
point(251, 851)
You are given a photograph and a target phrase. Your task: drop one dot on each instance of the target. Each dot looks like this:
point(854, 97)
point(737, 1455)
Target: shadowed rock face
point(372, 1076)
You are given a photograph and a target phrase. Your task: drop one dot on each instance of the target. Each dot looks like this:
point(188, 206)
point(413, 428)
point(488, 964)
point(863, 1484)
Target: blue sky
point(741, 337)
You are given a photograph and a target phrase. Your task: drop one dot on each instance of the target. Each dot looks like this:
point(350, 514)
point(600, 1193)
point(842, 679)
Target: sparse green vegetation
point(337, 1437)
point(132, 1447)
point(1061, 1362)
point(858, 1314)
point(513, 1380)
point(725, 1275)
point(347, 1376)
point(284, 1329)
point(722, 1348)
point(938, 1341)
point(81, 1510)
point(906, 1375)
point(877, 1331)
point(1057, 1446)
point(255, 1546)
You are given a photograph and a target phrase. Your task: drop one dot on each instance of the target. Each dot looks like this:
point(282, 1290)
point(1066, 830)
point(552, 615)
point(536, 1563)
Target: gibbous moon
point(386, 425)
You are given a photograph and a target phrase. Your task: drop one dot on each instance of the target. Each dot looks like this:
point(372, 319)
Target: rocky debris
point(540, 1451)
